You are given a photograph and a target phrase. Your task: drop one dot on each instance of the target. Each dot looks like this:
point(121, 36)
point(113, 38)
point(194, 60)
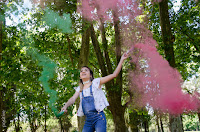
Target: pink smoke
point(103, 9)
point(159, 84)
point(154, 81)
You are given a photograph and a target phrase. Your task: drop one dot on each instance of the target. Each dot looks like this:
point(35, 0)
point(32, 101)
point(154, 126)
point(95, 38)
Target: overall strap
point(91, 90)
point(82, 94)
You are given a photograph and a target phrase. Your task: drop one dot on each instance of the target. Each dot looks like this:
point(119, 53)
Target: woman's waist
point(93, 114)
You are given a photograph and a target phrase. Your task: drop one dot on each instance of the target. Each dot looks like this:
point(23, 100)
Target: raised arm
point(116, 72)
point(70, 101)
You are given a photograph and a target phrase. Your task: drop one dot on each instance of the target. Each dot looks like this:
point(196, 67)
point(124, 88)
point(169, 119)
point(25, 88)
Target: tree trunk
point(198, 128)
point(133, 121)
point(1, 88)
point(134, 129)
point(33, 126)
point(168, 39)
point(17, 126)
point(161, 124)
point(83, 61)
point(69, 48)
point(114, 90)
point(45, 119)
point(157, 123)
point(32, 119)
point(84, 53)
point(118, 117)
point(98, 52)
point(176, 124)
point(118, 114)
point(105, 49)
point(146, 126)
point(61, 126)
point(7, 96)
point(1, 36)
point(5, 102)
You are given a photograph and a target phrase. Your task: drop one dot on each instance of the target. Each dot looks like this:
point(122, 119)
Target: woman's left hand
point(124, 56)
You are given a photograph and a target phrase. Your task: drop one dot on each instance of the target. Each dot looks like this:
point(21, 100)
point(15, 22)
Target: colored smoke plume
point(104, 9)
point(47, 73)
point(158, 84)
point(154, 81)
point(53, 20)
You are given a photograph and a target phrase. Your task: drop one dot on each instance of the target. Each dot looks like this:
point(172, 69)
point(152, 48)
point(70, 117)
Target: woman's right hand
point(64, 109)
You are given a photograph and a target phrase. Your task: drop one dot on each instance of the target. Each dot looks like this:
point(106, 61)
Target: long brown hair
point(91, 78)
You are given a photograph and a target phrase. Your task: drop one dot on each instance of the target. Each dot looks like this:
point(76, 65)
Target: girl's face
point(85, 73)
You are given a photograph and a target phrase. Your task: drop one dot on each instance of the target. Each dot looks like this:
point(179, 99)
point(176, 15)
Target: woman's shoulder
point(96, 82)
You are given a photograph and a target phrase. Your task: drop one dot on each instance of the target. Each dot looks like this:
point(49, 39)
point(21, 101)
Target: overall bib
point(95, 121)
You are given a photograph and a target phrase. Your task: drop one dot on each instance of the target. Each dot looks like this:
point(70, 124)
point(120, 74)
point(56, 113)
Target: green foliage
point(191, 122)
point(23, 72)
point(185, 24)
point(186, 36)
point(20, 73)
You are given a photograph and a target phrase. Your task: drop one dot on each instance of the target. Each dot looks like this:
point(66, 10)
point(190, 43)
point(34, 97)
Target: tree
point(168, 40)
point(113, 88)
point(1, 92)
point(174, 25)
point(10, 67)
point(83, 61)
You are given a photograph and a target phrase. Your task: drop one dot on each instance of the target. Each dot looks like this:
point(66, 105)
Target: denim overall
point(95, 121)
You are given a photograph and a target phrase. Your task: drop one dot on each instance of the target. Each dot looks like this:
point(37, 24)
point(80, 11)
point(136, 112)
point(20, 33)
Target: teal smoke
point(47, 73)
point(53, 20)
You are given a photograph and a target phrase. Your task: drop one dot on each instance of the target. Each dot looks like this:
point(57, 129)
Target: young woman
point(92, 98)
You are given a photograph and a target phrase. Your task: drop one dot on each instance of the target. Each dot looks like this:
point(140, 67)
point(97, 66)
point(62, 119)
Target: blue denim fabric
point(95, 121)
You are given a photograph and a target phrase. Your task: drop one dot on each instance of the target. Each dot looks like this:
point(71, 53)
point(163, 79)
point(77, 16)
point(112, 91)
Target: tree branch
point(69, 48)
point(98, 51)
point(105, 47)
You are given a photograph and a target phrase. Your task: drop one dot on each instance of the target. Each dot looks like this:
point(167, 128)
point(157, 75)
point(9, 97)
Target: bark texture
point(83, 61)
point(175, 123)
point(113, 88)
point(1, 88)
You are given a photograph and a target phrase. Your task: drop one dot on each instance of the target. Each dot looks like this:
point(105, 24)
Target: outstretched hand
point(125, 56)
point(64, 109)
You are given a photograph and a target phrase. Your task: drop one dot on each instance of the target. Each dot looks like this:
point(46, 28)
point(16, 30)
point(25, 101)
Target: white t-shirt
point(86, 92)
point(100, 100)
